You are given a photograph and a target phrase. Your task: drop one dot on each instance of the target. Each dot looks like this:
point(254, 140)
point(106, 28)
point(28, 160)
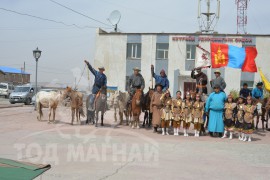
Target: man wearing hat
point(161, 79)
point(257, 92)
point(136, 81)
point(100, 80)
point(201, 80)
point(218, 81)
point(215, 107)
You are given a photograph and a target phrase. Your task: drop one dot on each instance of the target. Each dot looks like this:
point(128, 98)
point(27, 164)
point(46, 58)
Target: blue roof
point(12, 70)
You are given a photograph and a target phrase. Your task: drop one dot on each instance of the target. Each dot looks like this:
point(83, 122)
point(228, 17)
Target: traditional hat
point(216, 86)
point(136, 69)
point(158, 85)
point(162, 71)
point(241, 97)
point(249, 98)
point(217, 71)
point(230, 96)
point(101, 68)
point(187, 93)
point(259, 84)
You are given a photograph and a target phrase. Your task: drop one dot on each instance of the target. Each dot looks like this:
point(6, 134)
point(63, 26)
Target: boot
point(198, 133)
point(231, 135)
point(245, 137)
point(225, 134)
point(155, 130)
point(185, 132)
point(138, 126)
point(174, 131)
point(249, 138)
point(163, 131)
point(240, 137)
point(177, 131)
point(132, 124)
point(195, 134)
point(167, 131)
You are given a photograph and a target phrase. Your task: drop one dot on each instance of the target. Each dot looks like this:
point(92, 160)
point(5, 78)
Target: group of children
point(181, 111)
point(238, 116)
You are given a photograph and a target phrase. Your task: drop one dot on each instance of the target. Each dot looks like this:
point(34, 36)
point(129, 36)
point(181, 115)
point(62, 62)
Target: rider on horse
point(136, 81)
point(162, 79)
point(100, 81)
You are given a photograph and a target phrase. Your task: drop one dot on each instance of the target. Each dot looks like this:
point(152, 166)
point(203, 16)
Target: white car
point(6, 89)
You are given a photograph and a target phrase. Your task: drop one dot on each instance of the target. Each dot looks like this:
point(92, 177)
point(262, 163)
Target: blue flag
point(236, 57)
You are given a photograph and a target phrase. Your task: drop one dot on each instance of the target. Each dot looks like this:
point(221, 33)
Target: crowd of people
point(221, 113)
point(224, 113)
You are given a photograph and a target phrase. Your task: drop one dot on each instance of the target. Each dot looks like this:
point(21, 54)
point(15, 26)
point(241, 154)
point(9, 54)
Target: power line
point(45, 19)
point(79, 13)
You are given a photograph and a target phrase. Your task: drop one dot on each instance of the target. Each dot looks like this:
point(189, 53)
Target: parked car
point(45, 90)
point(6, 89)
point(22, 94)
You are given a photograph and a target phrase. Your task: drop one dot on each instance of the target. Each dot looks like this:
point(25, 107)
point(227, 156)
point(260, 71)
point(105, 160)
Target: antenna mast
point(208, 20)
point(241, 16)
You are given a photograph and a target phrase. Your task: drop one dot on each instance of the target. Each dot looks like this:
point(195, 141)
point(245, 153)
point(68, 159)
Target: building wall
point(15, 78)
point(111, 51)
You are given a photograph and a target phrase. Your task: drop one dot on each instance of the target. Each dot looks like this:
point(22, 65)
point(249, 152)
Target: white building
point(119, 53)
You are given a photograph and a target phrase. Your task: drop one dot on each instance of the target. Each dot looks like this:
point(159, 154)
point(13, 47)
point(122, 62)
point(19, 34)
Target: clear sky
point(65, 47)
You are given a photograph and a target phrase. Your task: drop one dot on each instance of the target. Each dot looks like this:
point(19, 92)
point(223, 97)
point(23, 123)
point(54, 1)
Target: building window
point(134, 50)
point(127, 83)
point(249, 83)
point(162, 51)
point(247, 77)
point(191, 50)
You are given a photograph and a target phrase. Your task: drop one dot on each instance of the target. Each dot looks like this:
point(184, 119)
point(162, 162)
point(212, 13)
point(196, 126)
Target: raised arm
point(93, 71)
point(193, 76)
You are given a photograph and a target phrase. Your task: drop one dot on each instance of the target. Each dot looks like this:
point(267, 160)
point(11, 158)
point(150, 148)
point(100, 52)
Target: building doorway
point(189, 86)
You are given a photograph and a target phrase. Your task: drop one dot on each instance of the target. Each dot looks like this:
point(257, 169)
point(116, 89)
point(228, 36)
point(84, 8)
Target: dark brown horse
point(136, 108)
point(146, 108)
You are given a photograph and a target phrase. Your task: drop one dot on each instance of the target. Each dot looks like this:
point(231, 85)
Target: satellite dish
point(114, 18)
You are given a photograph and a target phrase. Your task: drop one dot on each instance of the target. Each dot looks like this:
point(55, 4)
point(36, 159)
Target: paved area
point(118, 152)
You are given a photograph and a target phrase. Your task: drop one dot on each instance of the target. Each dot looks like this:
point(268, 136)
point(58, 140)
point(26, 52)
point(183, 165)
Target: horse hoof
point(138, 127)
point(132, 127)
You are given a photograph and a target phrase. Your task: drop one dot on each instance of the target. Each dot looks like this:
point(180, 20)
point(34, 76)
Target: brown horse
point(262, 110)
point(146, 107)
point(136, 108)
point(76, 104)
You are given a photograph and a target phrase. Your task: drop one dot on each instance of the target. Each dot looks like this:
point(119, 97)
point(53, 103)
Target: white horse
point(49, 100)
point(118, 102)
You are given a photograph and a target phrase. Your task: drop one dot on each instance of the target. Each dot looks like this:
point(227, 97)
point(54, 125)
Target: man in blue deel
point(161, 79)
point(257, 92)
